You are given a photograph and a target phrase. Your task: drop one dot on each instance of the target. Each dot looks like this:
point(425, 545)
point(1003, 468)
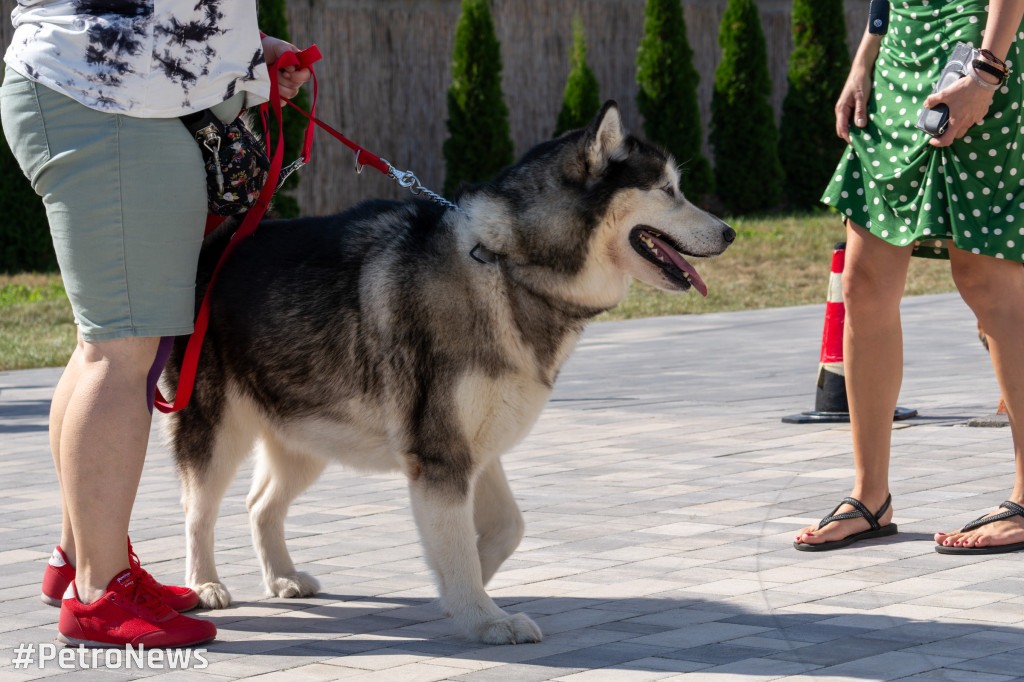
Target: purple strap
point(162, 353)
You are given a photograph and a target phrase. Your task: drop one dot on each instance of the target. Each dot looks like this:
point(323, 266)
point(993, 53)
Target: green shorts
point(126, 201)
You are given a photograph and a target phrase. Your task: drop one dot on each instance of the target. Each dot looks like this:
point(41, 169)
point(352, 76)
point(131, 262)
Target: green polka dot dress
point(892, 182)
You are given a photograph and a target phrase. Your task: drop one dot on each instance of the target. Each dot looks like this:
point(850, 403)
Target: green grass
point(38, 329)
point(775, 261)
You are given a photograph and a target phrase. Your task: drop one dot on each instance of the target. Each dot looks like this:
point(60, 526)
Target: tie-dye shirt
point(146, 58)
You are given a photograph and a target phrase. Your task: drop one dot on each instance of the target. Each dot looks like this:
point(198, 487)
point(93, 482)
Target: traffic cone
point(830, 403)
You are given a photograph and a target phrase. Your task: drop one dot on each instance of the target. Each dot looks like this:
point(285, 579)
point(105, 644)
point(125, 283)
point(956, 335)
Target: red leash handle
point(304, 60)
point(187, 377)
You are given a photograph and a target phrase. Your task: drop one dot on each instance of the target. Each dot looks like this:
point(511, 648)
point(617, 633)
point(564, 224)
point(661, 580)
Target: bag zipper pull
point(211, 140)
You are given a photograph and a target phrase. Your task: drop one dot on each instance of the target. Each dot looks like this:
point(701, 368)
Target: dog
point(404, 336)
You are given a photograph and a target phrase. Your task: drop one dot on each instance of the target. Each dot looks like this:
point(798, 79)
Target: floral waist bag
point(236, 163)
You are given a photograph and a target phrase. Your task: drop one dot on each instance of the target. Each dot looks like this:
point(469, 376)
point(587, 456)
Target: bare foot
point(1007, 531)
point(837, 530)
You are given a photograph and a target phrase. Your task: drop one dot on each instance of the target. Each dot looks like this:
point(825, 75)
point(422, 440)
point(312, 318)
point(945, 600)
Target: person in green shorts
point(904, 193)
point(90, 105)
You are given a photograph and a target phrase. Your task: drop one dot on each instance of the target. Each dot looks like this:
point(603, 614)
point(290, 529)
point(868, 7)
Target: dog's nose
point(728, 234)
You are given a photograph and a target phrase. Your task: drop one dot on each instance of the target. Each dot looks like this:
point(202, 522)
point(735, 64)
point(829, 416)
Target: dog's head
point(580, 215)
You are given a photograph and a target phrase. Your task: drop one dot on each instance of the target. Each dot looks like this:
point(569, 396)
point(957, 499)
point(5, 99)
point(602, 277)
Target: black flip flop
point(1013, 509)
point(876, 530)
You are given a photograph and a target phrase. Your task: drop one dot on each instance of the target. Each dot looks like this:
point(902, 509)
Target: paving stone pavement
point(661, 493)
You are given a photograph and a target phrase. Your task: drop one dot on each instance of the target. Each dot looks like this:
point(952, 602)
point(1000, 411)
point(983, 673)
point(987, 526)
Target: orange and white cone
point(831, 394)
point(830, 402)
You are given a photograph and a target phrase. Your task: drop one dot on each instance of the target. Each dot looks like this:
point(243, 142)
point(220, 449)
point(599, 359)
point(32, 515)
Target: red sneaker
point(59, 574)
point(131, 612)
point(180, 599)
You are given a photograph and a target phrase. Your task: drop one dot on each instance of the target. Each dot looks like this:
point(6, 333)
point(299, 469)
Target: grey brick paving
point(661, 493)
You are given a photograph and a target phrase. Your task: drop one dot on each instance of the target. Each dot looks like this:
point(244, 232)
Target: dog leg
point(280, 476)
point(445, 522)
point(202, 492)
point(499, 523)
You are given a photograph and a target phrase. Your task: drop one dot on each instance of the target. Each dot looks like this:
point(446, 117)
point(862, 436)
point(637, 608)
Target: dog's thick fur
point(376, 339)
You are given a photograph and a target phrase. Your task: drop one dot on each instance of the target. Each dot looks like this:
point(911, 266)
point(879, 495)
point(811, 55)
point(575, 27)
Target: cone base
point(840, 417)
point(830, 395)
point(996, 420)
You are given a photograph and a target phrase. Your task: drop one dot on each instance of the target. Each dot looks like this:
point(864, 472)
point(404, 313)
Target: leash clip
point(359, 166)
point(409, 180)
point(288, 170)
point(406, 179)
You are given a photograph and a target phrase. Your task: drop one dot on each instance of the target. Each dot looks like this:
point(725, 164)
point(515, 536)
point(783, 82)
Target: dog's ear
point(605, 138)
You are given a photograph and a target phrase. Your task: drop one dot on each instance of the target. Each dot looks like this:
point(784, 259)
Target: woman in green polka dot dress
point(958, 196)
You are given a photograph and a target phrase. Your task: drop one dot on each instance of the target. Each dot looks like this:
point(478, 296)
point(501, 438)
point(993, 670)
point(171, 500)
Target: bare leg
point(58, 408)
point(874, 276)
point(104, 431)
point(994, 290)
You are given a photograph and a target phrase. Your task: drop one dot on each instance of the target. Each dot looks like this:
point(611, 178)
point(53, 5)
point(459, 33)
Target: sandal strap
point(1013, 509)
point(1013, 506)
point(860, 511)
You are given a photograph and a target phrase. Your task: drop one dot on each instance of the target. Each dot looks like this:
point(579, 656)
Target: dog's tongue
point(666, 251)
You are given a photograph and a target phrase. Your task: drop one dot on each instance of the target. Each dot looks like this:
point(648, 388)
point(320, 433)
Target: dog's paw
point(213, 596)
point(299, 584)
point(517, 629)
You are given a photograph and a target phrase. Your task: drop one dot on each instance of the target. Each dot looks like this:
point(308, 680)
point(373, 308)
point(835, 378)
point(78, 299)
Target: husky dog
point(400, 335)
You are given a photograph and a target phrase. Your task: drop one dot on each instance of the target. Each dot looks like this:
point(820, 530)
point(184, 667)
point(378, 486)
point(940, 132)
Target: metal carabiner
point(404, 178)
point(409, 181)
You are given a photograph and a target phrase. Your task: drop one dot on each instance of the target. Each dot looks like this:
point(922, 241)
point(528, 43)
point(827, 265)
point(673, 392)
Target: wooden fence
point(386, 73)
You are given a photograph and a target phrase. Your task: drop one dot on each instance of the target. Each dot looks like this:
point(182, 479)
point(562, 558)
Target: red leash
point(407, 179)
point(186, 379)
point(366, 158)
point(363, 157)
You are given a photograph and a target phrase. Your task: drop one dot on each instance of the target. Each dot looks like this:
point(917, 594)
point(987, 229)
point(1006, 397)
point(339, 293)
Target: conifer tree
point(480, 142)
point(667, 97)
point(808, 145)
point(748, 173)
point(25, 243)
point(582, 99)
point(274, 22)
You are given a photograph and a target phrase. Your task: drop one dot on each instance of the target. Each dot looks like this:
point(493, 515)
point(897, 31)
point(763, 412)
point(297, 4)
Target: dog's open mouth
point(661, 251)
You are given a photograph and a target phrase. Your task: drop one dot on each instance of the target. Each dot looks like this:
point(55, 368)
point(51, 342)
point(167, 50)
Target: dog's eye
point(669, 189)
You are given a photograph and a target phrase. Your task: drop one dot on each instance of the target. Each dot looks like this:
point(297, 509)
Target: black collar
point(482, 254)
